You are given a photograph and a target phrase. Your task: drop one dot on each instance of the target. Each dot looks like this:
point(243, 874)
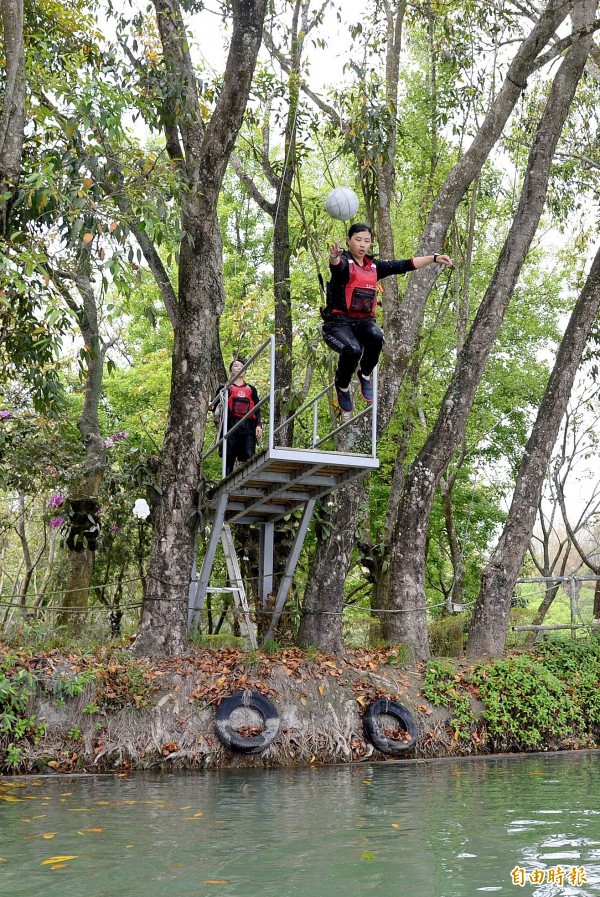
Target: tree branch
point(560, 46)
point(265, 204)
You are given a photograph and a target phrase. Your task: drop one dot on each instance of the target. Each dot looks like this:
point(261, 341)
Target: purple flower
point(56, 501)
point(114, 528)
point(117, 436)
point(5, 415)
point(57, 521)
point(99, 510)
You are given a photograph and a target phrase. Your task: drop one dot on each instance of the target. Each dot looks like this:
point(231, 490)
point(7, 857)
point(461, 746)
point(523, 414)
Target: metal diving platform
point(270, 486)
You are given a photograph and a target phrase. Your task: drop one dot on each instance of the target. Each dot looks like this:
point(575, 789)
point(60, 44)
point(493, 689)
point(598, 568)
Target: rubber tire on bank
point(232, 739)
point(373, 733)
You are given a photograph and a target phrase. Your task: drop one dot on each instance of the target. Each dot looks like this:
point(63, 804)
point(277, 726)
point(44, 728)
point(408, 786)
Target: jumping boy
point(241, 398)
point(349, 318)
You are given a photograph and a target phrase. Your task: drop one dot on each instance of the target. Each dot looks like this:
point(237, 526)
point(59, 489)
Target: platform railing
point(269, 344)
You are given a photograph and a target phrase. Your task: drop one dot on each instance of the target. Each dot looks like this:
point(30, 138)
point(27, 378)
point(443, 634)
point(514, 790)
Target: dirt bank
point(106, 711)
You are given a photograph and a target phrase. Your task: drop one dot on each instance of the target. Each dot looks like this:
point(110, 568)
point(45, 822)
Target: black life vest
point(359, 299)
point(240, 401)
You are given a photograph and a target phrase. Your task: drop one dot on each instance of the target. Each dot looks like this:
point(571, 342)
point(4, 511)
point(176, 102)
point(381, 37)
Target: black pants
point(354, 341)
point(241, 446)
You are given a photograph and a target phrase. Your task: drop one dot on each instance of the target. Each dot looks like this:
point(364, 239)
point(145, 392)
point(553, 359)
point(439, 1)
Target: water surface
point(445, 829)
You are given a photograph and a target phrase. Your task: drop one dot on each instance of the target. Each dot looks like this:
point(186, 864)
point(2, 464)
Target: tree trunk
point(12, 117)
point(163, 627)
point(490, 619)
point(81, 556)
point(321, 624)
point(459, 573)
point(28, 562)
point(408, 557)
point(596, 611)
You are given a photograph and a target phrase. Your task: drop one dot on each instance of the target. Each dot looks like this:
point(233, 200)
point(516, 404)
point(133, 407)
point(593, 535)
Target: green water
point(446, 829)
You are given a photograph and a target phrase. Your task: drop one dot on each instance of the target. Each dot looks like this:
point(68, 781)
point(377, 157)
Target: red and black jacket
point(352, 290)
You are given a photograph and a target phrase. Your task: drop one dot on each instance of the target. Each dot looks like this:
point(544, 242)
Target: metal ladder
point(236, 588)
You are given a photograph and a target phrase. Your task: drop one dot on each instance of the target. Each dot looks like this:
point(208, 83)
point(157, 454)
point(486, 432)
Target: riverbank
point(104, 710)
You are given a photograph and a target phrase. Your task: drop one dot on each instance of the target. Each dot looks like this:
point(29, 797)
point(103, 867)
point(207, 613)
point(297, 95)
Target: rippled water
point(445, 829)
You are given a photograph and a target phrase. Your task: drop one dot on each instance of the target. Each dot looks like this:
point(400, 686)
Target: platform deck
point(281, 480)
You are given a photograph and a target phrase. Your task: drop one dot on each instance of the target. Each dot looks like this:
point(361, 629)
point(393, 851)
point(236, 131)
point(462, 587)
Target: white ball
point(342, 203)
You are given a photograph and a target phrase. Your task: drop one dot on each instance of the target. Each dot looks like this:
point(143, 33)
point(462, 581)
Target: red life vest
point(360, 293)
point(240, 401)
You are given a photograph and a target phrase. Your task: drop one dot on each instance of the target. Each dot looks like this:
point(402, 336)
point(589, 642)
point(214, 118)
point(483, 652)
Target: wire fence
point(361, 622)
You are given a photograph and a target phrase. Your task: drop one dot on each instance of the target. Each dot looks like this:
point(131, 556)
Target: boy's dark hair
point(359, 228)
point(241, 361)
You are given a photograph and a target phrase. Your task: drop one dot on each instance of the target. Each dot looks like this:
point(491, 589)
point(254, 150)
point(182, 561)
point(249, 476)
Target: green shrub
point(441, 688)
point(526, 705)
point(17, 726)
point(577, 664)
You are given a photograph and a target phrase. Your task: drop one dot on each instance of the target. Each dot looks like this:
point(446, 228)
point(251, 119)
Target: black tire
point(392, 747)
point(255, 744)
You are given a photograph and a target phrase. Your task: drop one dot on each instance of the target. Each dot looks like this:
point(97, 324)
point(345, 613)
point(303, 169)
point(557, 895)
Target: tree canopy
point(162, 212)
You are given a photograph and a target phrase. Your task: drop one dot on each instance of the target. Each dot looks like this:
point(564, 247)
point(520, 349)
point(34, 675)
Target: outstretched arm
point(423, 260)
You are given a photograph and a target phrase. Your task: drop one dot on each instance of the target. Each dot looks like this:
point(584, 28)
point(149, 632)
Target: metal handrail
point(346, 423)
point(301, 410)
point(270, 398)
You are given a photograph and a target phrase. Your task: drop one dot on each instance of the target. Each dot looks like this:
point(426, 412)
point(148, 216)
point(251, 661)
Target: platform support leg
point(290, 567)
point(265, 562)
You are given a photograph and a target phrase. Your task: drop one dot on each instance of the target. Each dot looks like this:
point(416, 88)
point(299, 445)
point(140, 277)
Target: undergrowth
point(18, 726)
point(547, 699)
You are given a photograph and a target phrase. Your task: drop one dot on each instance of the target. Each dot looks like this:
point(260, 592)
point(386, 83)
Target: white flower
point(141, 509)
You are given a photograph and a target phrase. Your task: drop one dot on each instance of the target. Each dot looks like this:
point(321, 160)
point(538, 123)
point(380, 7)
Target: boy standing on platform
point(242, 397)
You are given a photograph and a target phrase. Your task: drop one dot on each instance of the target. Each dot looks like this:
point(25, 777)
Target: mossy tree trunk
point(202, 153)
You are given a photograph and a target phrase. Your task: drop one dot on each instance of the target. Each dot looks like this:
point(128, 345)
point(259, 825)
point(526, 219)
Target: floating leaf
point(64, 859)
point(215, 881)
point(49, 835)
point(368, 856)
point(395, 825)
